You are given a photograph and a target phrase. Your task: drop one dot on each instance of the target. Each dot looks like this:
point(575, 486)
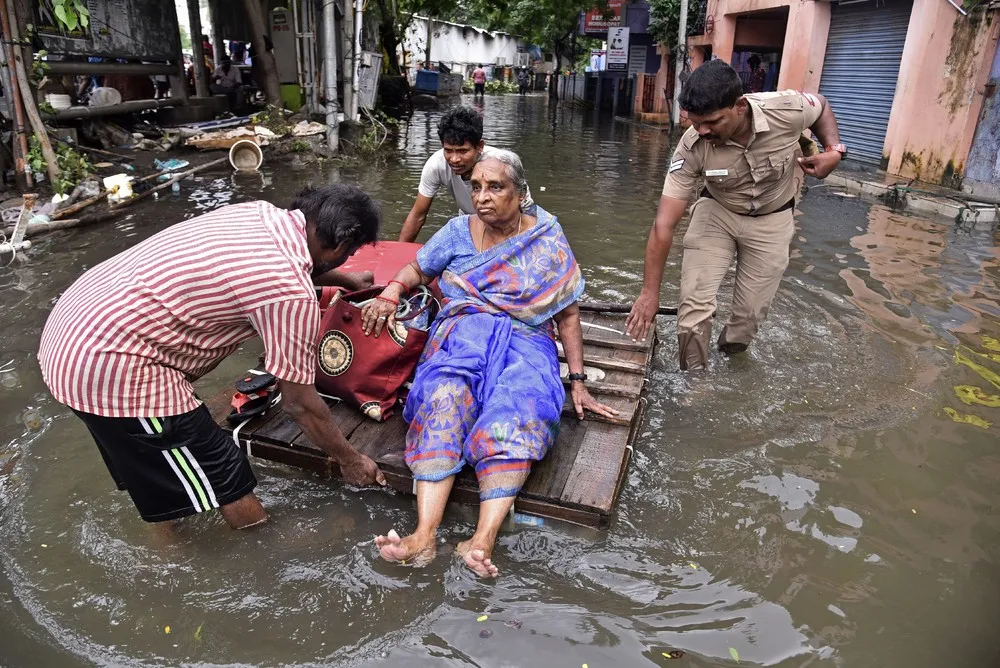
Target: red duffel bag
point(367, 371)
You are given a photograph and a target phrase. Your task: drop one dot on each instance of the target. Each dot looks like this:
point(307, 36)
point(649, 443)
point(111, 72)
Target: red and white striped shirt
point(131, 334)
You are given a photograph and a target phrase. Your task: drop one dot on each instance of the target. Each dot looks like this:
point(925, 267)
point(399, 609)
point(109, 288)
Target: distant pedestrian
point(745, 149)
point(206, 45)
point(229, 81)
point(238, 51)
point(479, 81)
point(523, 81)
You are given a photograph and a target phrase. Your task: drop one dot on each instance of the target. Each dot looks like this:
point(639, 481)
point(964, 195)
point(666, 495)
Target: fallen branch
point(87, 149)
point(79, 206)
point(36, 228)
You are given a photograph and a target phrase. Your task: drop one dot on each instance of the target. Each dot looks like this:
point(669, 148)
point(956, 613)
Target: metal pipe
point(347, 53)
point(330, 76)
point(679, 62)
point(359, 14)
point(71, 67)
point(952, 3)
point(122, 108)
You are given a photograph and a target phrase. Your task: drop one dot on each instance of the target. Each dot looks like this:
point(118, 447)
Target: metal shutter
point(860, 72)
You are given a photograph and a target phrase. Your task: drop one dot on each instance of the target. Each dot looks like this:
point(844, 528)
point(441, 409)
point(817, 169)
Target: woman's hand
point(380, 313)
point(582, 401)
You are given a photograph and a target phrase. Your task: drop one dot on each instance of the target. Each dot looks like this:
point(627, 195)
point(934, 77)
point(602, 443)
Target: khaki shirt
point(755, 179)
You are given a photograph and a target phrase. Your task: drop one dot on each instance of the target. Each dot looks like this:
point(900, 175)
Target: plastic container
point(59, 101)
point(175, 188)
point(119, 187)
point(245, 156)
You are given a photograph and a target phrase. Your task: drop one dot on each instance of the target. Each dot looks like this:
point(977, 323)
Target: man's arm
point(311, 413)
point(661, 237)
point(826, 130)
point(415, 219)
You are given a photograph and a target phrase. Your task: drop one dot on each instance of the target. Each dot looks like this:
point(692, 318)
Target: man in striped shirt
point(124, 343)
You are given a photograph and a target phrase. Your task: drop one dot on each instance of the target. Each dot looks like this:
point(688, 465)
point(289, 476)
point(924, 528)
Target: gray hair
point(513, 167)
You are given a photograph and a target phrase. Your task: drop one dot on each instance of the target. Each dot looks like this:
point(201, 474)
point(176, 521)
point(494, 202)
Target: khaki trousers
point(715, 234)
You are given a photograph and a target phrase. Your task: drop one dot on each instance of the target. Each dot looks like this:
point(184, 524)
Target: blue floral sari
point(487, 390)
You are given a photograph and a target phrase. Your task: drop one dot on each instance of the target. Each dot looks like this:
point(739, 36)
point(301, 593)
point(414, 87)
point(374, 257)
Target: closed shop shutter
point(861, 69)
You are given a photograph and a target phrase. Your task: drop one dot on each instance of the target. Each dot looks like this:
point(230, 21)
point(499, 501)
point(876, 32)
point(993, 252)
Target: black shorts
point(173, 466)
point(479, 88)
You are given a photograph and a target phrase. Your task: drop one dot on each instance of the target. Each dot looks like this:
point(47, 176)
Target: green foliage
point(388, 121)
point(46, 108)
point(497, 87)
point(665, 18)
point(298, 146)
point(273, 118)
point(72, 14)
point(39, 68)
point(73, 166)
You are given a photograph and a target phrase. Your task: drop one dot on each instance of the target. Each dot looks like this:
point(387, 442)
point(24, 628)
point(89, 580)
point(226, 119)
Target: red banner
point(594, 21)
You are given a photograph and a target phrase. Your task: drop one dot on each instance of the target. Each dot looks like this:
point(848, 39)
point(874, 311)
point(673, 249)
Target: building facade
point(462, 47)
point(913, 82)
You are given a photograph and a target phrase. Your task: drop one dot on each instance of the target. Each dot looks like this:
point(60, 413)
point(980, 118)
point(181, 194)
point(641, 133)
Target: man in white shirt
point(450, 168)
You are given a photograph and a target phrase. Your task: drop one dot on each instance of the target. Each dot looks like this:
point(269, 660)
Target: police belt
point(790, 204)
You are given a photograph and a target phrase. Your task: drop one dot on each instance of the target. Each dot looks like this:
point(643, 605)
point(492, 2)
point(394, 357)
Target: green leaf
point(733, 653)
point(60, 11)
point(197, 634)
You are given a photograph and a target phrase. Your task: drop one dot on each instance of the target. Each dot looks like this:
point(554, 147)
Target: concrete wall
point(946, 64)
point(802, 42)
point(459, 47)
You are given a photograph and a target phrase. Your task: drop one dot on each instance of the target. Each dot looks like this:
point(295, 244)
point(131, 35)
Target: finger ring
point(381, 318)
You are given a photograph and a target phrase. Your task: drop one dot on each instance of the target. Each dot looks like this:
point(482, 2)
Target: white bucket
point(59, 102)
point(245, 155)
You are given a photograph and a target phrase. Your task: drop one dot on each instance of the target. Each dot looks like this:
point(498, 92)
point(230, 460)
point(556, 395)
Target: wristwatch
point(578, 376)
point(839, 148)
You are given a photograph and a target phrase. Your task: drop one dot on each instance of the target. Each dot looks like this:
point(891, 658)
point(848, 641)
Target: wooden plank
point(593, 480)
point(607, 364)
point(597, 388)
point(625, 408)
point(603, 342)
point(611, 307)
point(548, 477)
point(382, 441)
point(281, 431)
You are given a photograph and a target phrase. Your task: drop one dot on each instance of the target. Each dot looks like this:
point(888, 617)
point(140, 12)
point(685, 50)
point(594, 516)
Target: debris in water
point(974, 420)
point(197, 633)
point(733, 653)
point(486, 633)
point(674, 654)
point(482, 618)
point(166, 629)
point(970, 394)
point(44, 545)
point(693, 565)
point(513, 623)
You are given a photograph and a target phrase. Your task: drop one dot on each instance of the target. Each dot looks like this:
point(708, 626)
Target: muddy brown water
point(813, 504)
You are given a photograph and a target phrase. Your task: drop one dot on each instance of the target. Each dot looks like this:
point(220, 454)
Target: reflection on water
point(829, 499)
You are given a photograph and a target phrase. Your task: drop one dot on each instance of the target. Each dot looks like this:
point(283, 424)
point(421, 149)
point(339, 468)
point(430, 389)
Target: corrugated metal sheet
point(860, 72)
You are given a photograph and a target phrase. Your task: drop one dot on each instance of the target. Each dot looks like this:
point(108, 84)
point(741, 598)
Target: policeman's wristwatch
point(578, 376)
point(839, 148)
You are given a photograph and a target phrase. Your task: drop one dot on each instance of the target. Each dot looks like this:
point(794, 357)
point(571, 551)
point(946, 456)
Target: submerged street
point(826, 500)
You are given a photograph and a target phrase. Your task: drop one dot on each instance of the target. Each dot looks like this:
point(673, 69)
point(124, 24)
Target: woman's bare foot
point(477, 557)
point(416, 549)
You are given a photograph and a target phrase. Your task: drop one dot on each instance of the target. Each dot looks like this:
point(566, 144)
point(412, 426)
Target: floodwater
point(813, 504)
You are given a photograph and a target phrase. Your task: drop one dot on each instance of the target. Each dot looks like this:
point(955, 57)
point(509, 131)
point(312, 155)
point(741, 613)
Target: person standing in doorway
point(745, 148)
point(479, 82)
point(450, 168)
point(758, 75)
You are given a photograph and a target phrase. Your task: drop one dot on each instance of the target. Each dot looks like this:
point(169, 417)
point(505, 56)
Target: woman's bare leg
point(419, 546)
point(478, 550)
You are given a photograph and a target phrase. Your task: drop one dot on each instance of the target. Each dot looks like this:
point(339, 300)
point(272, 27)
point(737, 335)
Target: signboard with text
point(637, 59)
point(594, 20)
point(617, 50)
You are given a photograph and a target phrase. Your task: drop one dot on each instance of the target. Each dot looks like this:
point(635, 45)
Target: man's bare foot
point(415, 549)
point(477, 557)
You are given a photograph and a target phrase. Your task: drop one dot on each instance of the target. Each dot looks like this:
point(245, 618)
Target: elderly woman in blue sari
point(487, 391)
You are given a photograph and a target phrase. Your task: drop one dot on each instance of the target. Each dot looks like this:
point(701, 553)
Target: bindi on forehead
point(489, 173)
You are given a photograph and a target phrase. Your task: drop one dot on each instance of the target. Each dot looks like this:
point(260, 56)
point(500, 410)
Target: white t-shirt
point(437, 175)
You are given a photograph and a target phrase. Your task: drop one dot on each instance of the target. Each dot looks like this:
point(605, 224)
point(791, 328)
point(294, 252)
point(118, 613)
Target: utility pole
point(427, 45)
point(347, 50)
point(330, 76)
point(679, 62)
point(200, 76)
point(359, 16)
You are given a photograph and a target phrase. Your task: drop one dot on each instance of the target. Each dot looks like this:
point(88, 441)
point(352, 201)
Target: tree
point(550, 24)
point(263, 58)
point(395, 17)
point(665, 18)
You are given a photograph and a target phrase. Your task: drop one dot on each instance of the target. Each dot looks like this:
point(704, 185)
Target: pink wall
point(939, 95)
point(803, 41)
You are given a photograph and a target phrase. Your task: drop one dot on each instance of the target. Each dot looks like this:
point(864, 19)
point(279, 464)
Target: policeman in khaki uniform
point(745, 149)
